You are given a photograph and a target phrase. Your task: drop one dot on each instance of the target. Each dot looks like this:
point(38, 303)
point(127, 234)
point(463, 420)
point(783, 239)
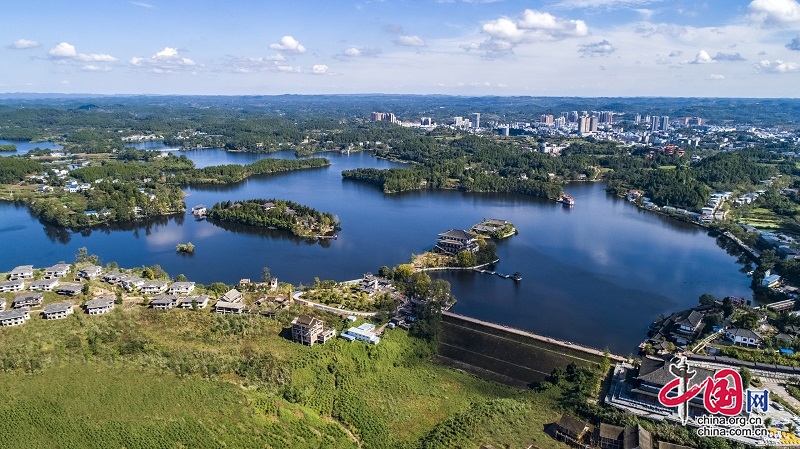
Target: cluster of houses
point(579, 433)
point(683, 328)
point(371, 284)
point(308, 330)
point(710, 212)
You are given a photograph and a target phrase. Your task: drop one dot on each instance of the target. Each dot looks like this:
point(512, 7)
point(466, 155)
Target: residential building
point(17, 285)
point(181, 288)
point(743, 337)
point(570, 429)
point(188, 302)
point(99, 306)
point(69, 289)
point(607, 436)
point(58, 270)
point(57, 311)
point(14, 317)
point(233, 295)
point(27, 300)
point(21, 272)
point(153, 287)
point(456, 240)
point(229, 307)
point(364, 332)
point(129, 282)
point(164, 302)
point(44, 285)
point(90, 272)
point(771, 281)
point(112, 277)
point(309, 330)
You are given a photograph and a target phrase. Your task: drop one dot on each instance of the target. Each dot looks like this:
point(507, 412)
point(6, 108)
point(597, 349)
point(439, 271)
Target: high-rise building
point(457, 121)
point(477, 120)
point(384, 116)
point(583, 125)
point(606, 117)
point(546, 119)
point(654, 123)
point(593, 124)
point(573, 117)
point(664, 123)
point(637, 119)
point(425, 121)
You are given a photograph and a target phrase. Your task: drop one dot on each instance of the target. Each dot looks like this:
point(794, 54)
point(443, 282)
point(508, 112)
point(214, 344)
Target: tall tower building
point(664, 123)
point(583, 125)
point(654, 123)
point(477, 120)
point(593, 124)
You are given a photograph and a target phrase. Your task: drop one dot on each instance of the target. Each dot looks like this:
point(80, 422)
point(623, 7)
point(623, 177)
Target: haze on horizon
point(591, 48)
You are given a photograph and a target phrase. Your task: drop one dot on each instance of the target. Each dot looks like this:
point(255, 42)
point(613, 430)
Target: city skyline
point(742, 48)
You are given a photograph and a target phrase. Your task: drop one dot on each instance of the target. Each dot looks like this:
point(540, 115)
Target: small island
point(8, 148)
point(187, 248)
point(494, 228)
point(300, 220)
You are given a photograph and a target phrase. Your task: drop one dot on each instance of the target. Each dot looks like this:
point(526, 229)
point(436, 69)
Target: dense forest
point(296, 218)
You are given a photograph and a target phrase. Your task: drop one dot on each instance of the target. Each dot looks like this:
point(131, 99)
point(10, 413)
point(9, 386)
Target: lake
point(597, 273)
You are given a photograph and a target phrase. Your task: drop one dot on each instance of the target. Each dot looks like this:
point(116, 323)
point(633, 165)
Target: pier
point(517, 276)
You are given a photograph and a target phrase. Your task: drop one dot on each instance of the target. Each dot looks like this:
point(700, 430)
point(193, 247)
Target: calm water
point(23, 147)
point(596, 273)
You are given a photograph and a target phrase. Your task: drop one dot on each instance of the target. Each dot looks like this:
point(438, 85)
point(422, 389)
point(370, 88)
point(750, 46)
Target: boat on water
point(517, 276)
point(566, 200)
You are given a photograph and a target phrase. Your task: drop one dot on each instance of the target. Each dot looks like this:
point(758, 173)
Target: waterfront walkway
point(565, 344)
point(754, 253)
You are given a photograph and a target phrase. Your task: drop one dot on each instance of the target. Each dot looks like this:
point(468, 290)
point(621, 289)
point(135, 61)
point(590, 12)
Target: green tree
point(384, 272)
point(266, 275)
point(747, 376)
point(181, 278)
point(707, 299)
point(83, 255)
point(465, 259)
point(426, 326)
point(147, 273)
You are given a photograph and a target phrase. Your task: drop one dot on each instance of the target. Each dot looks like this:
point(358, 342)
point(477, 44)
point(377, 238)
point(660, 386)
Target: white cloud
point(289, 44)
point(778, 13)
point(167, 60)
point(776, 66)
point(95, 68)
point(65, 50)
point(252, 65)
point(675, 53)
point(602, 48)
point(410, 41)
point(701, 58)
point(352, 53)
point(605, 4)
point(715, 76)
point(319, 69)
point(728, 57)
point(794, 44)
point(531, 26)
point(21, 44)
point(645, 14)
point(288, 69)
point(143, 5)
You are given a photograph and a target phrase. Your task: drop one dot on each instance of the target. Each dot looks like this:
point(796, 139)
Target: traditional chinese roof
point(572, 425)
point(655, 370)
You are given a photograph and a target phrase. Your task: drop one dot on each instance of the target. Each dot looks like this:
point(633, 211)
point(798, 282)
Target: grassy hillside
point(142, 378)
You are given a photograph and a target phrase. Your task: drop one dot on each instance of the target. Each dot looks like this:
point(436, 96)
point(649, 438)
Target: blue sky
point(727, 48)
